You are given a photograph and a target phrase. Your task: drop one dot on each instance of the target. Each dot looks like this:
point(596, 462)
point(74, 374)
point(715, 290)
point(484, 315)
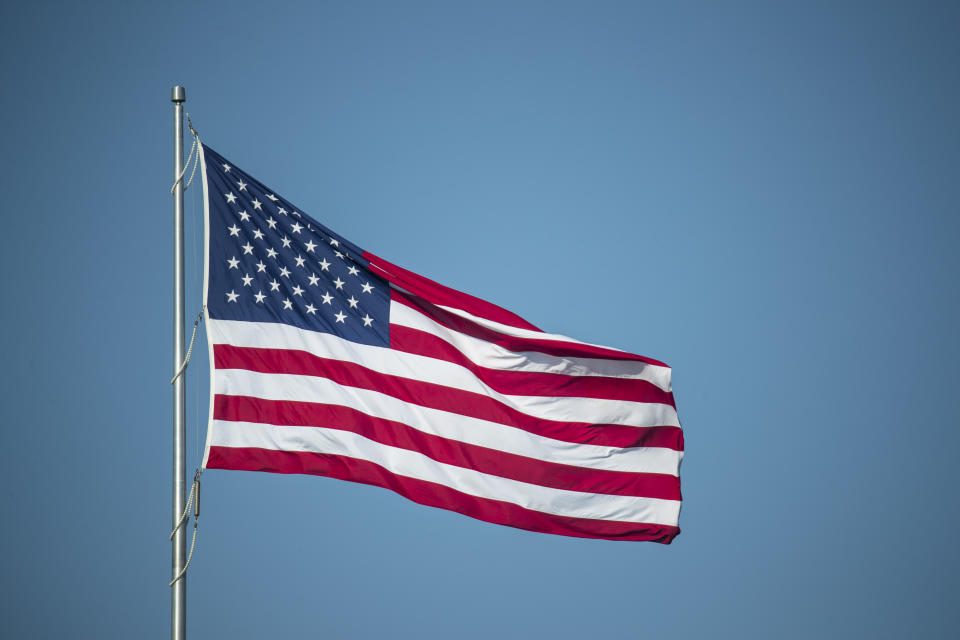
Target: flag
point(329, 360)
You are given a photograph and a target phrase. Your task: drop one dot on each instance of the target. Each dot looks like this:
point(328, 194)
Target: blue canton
point(268, 262)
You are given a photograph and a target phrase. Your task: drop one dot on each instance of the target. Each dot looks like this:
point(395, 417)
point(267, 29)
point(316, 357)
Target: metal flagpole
point(178, 604)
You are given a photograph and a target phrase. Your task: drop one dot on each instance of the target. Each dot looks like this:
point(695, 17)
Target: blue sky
point(763, 195)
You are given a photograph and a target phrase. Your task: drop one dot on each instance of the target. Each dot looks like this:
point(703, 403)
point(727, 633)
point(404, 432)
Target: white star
point(367, 320)
point(230, 197)
point(261, 267)
point(352, 302)
point(226, 168)
point(247, 248)
point(338, 254)
point(244, 216)
point(232, 296)
point(295, 227)
point(353, 270)
point(366, 287)
point(341, 316)
point(314, 279)
point(327, 298)
point(295, 213)
point(286, 242)
point(258, 234)
point(272, 197)
point(310, 246)
point(287, 304)
point(300, 260)
point(271, 253)
point(311, 308)
point(256, 203)
point(274, 286)
point(325, 265)
point(339, 283)
point(281, 211)
point(241, 185)
point(259, 296)
point(298, 291)
point(247, 279)
point(334, 242)
point(233, 262)
point(272, 223)
point(234, 230)
point(285, 272)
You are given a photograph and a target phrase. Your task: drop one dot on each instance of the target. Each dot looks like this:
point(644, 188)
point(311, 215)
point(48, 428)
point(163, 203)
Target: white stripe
point(493, 356)
point(412, 464)
point(272, 386)
point(398, 363)
point(518, 332)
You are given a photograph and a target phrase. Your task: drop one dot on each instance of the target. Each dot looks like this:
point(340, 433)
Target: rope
point(194, 493)
point(193, 147)
point(196, 142)
point(186, 510)
point(186, 360)
point(194, 172)
point(193, 544)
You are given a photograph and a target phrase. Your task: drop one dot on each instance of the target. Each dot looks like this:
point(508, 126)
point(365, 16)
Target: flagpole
point(178, 604)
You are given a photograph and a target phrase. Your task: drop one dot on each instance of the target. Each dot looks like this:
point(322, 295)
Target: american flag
point(329, 360)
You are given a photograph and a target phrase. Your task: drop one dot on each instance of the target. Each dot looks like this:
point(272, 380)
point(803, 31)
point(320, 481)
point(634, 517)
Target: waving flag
point(328, 360)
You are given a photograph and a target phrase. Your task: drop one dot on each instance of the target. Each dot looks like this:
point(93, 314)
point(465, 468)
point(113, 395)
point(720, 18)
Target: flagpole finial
point(178, 94)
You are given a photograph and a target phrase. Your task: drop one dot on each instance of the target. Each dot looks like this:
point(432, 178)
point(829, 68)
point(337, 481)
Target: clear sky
point(763, 195)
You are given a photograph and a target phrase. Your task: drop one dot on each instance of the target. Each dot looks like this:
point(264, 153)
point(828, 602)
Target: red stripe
point(440, 294)
point(433, 494)
point(445, 450)
point(428, 394)
point(513, 343)
point(526, 383)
